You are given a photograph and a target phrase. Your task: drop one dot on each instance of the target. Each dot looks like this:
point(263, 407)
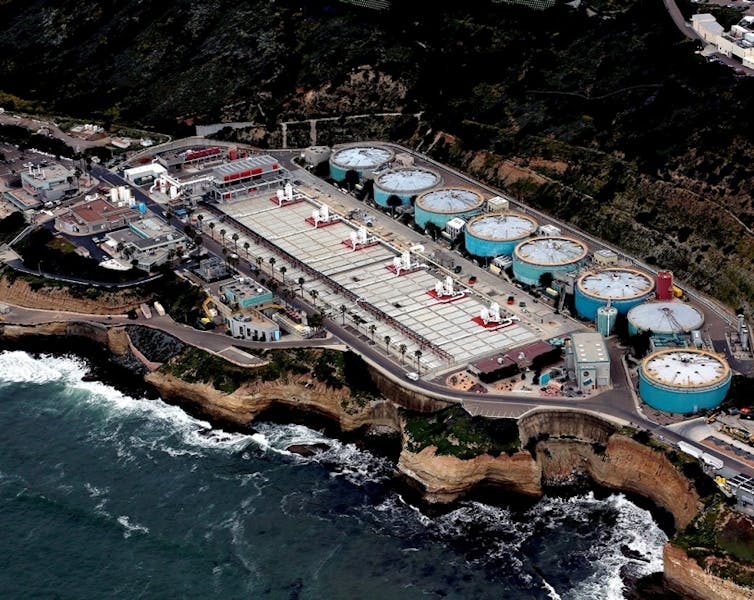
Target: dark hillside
point(634, 136)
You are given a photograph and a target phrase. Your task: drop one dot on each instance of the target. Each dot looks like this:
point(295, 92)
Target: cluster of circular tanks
point(679, 380)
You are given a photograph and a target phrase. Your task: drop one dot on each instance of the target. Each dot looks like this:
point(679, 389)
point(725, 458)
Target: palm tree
point(272, 260)
point(372, 329)
point(259, 261)
point(223, 233)
point(418, 355)
point(199, 219)
point(235, 237)
point(387, 345)
point(283, 271)
point(343, 310)
point(301, 282)
point(402, 349)
point(314, 294)
point(212, 229)
point(246, 246)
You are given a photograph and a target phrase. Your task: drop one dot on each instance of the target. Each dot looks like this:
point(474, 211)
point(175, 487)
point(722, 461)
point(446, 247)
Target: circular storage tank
point(683, 380)
point(497, 234)
point(547, 254)
point(362, 159)
point(405, 183)
point(623, 288)
point(441, 205)
point(664, 318)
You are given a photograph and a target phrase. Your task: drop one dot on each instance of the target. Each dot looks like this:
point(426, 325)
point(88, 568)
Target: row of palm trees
point(402, 349)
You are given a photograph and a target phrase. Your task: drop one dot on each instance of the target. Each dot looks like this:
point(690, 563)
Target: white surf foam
point(131, 528)
point(20, 367)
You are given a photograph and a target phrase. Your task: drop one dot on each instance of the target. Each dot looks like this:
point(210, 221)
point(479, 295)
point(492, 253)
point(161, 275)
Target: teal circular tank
point(443, 204)
point(623, 288)
point(497, 234)
point(361, 159)
point(547, 254)
point(684, 380)
point(404, 183)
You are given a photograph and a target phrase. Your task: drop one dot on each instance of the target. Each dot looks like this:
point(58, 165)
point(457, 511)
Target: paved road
point(679, 21)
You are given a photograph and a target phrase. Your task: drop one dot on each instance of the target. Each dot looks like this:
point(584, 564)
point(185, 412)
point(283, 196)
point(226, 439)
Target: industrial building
point(148, 241)
point(547, 254)
point(50, 183)
point(212, 269)
point(245, 293)
point(684, 380)
point(95, 216)
point(737, 43)
point(588, 361)
point(316, 155)
point(506, 364)
point(144, 173)
point(193, 157)
point(252, 325)
point(620, 287)
point(664, 318)
point(247, 176)
point(444, 204)
point(493, 235)
point(364, 160)
point(405, 183)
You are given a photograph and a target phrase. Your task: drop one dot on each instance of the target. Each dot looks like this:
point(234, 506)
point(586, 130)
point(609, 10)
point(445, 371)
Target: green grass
point(455, 433)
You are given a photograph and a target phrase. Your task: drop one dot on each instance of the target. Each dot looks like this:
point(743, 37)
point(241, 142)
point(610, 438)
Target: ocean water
point(107, 496)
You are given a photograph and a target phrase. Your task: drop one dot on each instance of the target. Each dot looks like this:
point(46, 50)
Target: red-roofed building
point(94, 216)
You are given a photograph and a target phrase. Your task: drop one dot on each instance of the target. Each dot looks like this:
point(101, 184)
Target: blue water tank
point(359, 158)
point(547, 254)
point(443, 204)
point(497, 234)
point(623, 288)
point(142, 208)
point(684, 380)
point(404, 183)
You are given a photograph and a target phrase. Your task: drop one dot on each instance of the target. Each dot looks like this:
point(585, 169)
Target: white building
point(588, 360)
point(737, 43)
point(252, 325)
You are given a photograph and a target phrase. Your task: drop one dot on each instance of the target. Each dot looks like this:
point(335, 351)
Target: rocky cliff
point(684, 575)
point(444, 479)
point(241, 407)
point(571, 444)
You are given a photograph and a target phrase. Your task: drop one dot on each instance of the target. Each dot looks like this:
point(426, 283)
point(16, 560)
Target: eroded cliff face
point(21, 293)
point(245, 404)
point(622, 464)
point(577, 444)
point(444, 479)
point(114, 339)
point(684, 575)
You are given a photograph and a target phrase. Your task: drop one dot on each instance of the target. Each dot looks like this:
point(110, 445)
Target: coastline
point(555, 458)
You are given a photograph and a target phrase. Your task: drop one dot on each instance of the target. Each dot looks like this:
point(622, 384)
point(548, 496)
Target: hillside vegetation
point(627, 132)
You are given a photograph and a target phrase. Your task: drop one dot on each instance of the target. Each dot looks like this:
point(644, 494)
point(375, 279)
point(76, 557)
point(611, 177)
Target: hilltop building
point(148, 241)
point(738, 43)
point(50, 183)
point(95, 216)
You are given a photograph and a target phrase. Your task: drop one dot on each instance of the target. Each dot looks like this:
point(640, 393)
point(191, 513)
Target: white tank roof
point(551, 251)
point(666, 317)
point(408, 180)
point(688, 368)
point(616, 284)
point(509, 226)
point(361, 157)
point(450, 200)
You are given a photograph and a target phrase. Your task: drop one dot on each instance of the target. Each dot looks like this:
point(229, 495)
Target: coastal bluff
point(564, 446)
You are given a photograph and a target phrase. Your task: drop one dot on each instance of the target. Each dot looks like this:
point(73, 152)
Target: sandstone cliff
point(684, 575)
point(623, 465)
point(444, 479)
point(245, 404)
point(587, 446)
